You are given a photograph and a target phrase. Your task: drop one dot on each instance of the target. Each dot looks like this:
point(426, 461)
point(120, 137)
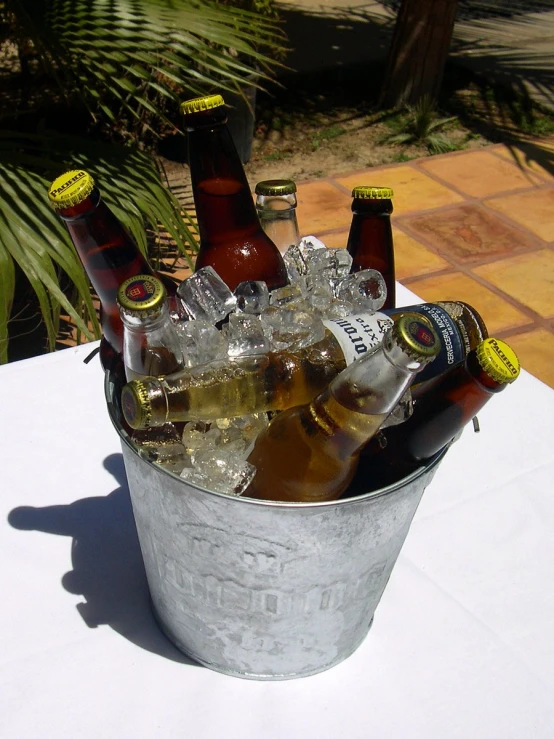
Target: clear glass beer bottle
point(232, 240)
point(151, 345)
point(107, 251)
point(276, 206)
point(310, 453)
point(370, 237)
point(283, 379)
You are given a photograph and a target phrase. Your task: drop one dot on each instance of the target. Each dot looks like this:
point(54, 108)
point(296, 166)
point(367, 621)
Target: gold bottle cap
point(364, 192)
point(275, 187)
point(135, 405)
point(204, 103)
point(70, 189)
point(142, 295)
point(416, 337)
point(498, 360)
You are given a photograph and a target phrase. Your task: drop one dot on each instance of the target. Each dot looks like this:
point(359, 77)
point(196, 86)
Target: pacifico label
point(359, 333)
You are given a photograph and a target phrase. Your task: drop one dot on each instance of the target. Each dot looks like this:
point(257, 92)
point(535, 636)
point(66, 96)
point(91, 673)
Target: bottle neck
point(277, 216)
point(145, 323)
point(222, 196)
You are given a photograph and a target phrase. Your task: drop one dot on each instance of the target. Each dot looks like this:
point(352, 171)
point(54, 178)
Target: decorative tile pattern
point(468, 232)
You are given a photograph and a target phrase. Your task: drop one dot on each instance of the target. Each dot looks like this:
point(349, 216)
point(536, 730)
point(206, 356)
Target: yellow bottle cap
point(142, 295)
point(275, 187)
point(70, 189)
point(135, 405)
point(204, 103)
point(498, 360)
point(364, 192)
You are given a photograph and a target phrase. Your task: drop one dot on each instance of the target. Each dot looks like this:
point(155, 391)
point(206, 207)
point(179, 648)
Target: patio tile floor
point(475, 226)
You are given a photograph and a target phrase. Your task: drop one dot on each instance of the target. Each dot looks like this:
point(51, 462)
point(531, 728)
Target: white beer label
point(359, 333)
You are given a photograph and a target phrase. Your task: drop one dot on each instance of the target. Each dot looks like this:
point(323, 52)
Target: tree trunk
point(418, 51)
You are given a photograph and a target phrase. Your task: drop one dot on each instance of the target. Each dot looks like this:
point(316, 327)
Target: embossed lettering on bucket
point(258, 589)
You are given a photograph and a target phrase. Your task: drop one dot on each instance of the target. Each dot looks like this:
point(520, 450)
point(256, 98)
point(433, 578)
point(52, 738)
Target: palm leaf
point(119, 55)
point(32, 236)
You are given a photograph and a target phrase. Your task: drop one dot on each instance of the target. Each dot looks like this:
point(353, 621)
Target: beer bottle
point(282, 379)
point(370, 238)
point(107, 251)
point(150, 341)
point(443, 407)
point(232, 240)
point(310, 453)
point(276, 206)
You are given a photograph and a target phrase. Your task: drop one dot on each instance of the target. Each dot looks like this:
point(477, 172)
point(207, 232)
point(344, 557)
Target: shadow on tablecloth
point(107, 563)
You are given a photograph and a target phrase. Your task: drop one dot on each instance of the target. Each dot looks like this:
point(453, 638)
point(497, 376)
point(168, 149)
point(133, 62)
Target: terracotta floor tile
point(322, 207)
point(412, 189)
point(537, 156)
point(469, 232)
point(529, 278)
point(534, 210)
point(535, 350)
point(412, 258)
point(497, 313)
point(479, 173)
point(335, 240)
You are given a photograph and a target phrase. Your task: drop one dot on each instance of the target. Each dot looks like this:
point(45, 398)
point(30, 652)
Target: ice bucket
point(258, 589)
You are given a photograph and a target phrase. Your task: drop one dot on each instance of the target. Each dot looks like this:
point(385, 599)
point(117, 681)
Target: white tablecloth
point(463, 639)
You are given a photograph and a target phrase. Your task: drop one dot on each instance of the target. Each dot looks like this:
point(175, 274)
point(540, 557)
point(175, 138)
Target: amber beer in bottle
point(443, 407)
point(232, 240)
point(106, 250)
point(370, 238)
point(310, 453)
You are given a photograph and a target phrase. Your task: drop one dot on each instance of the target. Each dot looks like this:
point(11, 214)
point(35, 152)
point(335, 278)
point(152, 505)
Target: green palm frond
point(34, 238)
point(128, 54)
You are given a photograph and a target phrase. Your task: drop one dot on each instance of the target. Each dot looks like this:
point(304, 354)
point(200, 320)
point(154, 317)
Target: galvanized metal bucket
point(264, 590)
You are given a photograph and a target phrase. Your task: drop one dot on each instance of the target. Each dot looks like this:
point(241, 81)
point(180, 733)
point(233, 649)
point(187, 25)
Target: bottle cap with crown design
point(275, 187)
point(207, 102)
point(364, 192)
point(498, 360)
point(416, 337)
point(142, 295)
point(70, 189)
point(135, 404)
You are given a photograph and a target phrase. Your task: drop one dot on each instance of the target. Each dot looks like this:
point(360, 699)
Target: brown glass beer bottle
point(232, 240)
point(106, 250)
point(370, 238)
point(443, 407)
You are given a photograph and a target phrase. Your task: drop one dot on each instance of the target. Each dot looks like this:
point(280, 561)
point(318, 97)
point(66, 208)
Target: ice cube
point(204, 295)
point(292, 329)
point(220, 471)
point(162, 445)
point(328, 267)
point(296, 257)
point(201, 342)
point(287, 296)
point(252, 297)
point(366, 291)
point(245, 428)
point(245, 335)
